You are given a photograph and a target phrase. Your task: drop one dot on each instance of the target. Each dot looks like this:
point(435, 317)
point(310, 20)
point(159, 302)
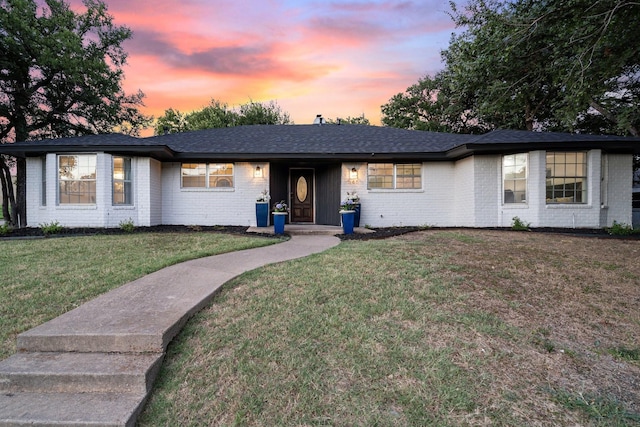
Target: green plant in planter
point(350, 202)
point(264, 197)
point(281, 206)
point(347, 205)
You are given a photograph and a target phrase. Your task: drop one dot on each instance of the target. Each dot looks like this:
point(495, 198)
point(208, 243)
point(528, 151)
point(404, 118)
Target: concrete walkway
point(95, 365)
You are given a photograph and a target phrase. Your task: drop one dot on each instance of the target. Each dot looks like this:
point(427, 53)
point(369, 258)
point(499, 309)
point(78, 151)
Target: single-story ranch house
point(403, 177)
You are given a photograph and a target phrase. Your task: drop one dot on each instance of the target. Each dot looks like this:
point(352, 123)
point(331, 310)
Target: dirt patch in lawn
point(573, 304)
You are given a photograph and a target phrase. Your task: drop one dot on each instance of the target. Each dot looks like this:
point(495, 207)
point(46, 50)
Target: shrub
point(127, 225)
point(620, 229)
point(519, 225)
point(51, 228)
point(5, 229)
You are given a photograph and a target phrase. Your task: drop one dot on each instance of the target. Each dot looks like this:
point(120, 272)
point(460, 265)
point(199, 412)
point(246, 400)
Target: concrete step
point(79, 372)
point(41, 340)
point(308, 230)
point(117, 341)
point(70, 409)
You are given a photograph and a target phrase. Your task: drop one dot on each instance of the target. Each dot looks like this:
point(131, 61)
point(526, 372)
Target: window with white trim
point(122, 183)
point(207, 175)
point(514, 178)
point(394, 176)
point(566, 177)
point(77, 179)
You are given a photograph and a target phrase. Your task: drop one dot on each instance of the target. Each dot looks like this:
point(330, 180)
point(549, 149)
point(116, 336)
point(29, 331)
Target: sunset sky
point(335, 58)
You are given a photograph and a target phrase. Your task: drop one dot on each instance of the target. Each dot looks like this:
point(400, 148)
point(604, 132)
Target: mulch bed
point(378, 233)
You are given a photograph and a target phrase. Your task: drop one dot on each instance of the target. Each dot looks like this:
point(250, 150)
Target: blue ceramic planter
point(262, 214)
point(348, 218)
point(278, 222)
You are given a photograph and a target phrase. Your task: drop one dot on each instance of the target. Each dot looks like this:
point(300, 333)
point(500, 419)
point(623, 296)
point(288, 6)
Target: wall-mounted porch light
point(257, 173)
point(353, 175)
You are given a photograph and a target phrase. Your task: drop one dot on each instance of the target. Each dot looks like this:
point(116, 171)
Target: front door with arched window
point(302, 195)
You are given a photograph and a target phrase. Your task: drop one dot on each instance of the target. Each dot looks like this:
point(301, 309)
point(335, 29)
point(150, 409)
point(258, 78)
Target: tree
point(173, 121)
point(256, 113)
point(6, 183)
point(358, 120)
point(536, 65)
point(218, 115)
point(61, 75)
point(215, 115)
point(427, 105)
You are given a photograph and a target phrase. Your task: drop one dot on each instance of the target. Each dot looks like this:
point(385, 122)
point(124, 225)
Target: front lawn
point(435, 328)
point(43, 278)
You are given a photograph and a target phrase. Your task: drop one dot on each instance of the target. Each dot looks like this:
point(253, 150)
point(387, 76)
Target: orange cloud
point(337, 58)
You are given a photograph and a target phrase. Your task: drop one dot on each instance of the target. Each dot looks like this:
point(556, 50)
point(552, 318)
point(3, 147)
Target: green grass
point(44, 278)
point(601, 411)
point(316, 342)
point(629, 354)
point(376, 333)
point(438, 328)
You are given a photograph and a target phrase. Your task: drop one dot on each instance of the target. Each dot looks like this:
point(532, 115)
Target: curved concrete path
point(96, 364)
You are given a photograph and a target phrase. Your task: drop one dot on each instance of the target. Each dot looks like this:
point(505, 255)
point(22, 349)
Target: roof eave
point(365, 157)
point(33, 150)
point(613, 147)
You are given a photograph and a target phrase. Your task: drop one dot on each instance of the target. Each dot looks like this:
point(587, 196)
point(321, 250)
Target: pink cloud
point(337, 58)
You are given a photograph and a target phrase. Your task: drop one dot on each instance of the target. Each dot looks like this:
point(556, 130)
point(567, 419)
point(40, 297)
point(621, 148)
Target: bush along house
point(402, 177)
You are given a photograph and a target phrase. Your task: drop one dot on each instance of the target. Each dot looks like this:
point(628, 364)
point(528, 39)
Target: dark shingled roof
point(323, 142)
point(92, 140)
point(283, 141)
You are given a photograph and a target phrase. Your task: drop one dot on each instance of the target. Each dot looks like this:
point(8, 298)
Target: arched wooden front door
point(302, 195)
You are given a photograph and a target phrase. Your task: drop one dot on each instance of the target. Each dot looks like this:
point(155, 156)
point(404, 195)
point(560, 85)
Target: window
point(566, 177)
point(77, 179)
point(394, 176)
point(207, 175)
point(514, 178)
point(380, 175)
point(409, 176)
point(122, 194)
point(43, 183)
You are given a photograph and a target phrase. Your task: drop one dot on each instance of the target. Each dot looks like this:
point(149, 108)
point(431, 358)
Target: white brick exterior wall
point(66, 215)
point(430, 205)
point(220, 206)
point(608, 195)
point(463, 194)
point(618, 197)
point(145, 210)
point(155, 193)
point(487, 185)
point(466, 193)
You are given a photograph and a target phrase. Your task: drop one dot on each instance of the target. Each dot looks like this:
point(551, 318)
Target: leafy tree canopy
point(530, 64)
point(61, 75)
point(218, 114)
point(61, 72)
point(358, 120)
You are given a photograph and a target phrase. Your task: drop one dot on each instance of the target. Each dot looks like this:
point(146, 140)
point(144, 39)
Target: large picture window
point(122, 184)
point(77, 179)
point(207, 175)
point(394, 176)
point(514, 178)
point(566, 177)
